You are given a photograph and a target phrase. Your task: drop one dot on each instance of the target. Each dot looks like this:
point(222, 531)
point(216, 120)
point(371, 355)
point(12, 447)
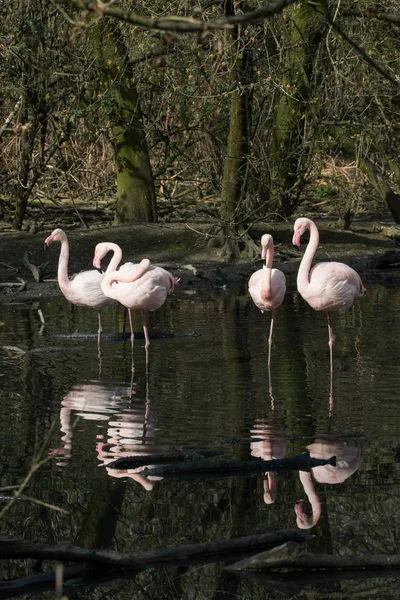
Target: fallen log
point(225, 468)
point(132, 462)
point(182, 555)
point(291, 555)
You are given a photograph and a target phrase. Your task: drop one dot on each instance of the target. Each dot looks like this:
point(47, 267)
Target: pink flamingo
point(84, 289)
point(267, 286)
point(144, 287)
point(328, 286)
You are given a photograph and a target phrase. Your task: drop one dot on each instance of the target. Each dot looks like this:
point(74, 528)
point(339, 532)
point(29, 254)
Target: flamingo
point(145, 287)
point(84, 289)
point(328, 286)
point(348, 454)
point(267, 286)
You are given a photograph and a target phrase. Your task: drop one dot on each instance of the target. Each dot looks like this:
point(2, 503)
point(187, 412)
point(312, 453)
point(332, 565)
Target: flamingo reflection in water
point(348, 452)
point(92, 401)
point(128, 430)
point(269, 443)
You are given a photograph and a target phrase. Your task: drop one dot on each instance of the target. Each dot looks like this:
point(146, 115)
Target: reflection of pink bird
point(84, 288)
point(272, 445)
point(328, 286)
point(143, 288)
point(267, 286)
point(348, 454)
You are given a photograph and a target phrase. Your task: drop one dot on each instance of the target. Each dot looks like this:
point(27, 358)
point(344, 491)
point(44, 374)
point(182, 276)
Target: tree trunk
point(289, 153)
point(136, 199)
point(234, 176)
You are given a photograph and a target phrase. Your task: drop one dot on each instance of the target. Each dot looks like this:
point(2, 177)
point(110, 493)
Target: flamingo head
point(303, 521)
point(266, 242)
point(301, 225)
point(99, 252)
point(58, 235)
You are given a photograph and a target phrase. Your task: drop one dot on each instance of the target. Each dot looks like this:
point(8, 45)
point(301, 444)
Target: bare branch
point(371, 13)
point(176, 23)
point(365, 56)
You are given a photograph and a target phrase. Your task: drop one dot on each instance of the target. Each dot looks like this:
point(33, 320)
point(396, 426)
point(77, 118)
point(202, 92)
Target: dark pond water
point(211, 391)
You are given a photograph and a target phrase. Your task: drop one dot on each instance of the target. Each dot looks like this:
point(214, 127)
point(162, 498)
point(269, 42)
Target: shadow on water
point(211, 391)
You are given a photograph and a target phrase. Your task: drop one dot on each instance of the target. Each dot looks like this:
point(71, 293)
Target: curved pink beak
point(296, 239)
point(48, 240)
point(97, 262)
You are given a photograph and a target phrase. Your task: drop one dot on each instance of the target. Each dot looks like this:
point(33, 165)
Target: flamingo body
point(267, 286)
point(267, 300)
point(328, 286)
point(144, 287)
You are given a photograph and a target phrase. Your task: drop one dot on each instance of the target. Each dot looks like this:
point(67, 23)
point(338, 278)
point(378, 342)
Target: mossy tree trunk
point(234, 176)
point(136, 199)
point(289, 153)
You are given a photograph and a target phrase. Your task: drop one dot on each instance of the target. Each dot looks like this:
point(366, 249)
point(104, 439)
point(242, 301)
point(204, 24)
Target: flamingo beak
point(48, 241)
point(296, 238)
point(97, 263)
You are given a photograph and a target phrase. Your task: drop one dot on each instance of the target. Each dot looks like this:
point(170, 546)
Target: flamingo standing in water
point(267, 286)
point(144, 287)
point(84, 289)
point(328, 286)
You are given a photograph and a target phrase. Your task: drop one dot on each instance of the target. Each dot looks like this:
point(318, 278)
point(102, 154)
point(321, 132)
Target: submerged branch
point(207, 552)
point(292, 555)
point(302, 462)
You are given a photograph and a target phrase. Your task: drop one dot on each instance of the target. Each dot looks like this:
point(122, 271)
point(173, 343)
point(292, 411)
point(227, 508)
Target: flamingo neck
point(267, 274)
point(308, 485)
point(303, 276)
point(62, 273)
point(116, 257)
point(123, 277)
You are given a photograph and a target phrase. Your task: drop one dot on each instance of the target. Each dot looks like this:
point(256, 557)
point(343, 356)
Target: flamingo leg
point(270, 341)
point(269, 361)
point(132, 363)
point(146, 333)
point(99, 332)
point(100, 329)
point(331, 342)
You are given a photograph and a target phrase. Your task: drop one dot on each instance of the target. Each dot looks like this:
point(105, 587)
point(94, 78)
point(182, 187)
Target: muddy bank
point(183, 249)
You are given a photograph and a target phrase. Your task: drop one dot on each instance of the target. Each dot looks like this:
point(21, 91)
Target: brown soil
point(183, 249)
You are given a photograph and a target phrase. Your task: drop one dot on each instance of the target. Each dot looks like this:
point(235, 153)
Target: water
point(209, 391)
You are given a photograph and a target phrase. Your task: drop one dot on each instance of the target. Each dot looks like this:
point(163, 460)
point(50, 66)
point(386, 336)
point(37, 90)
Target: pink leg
point(331, 342)
point(269, 360)
point(132, 363)
point(99, 332)
point(100, 329)
point(131, 326)
point(146, 333)
point(270, 340)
